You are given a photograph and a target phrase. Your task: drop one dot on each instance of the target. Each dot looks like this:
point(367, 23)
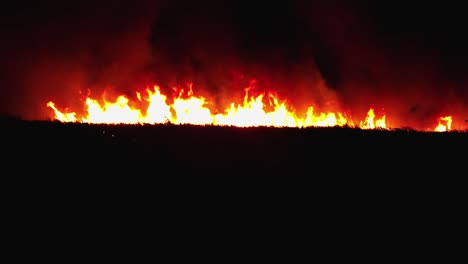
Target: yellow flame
point(371, 123)
point(265, 109)
point(445, 124)
point(63, 117)
point(111, 112)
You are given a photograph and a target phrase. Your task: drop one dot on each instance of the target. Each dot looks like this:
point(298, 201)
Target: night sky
point(409, 58)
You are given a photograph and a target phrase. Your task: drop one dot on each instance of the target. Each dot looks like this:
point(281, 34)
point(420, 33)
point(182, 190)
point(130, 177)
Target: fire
point(252, 113)
point(265, 109)
point(64, 117)
point(117, 112)
point(445, 124)
point(371, 123)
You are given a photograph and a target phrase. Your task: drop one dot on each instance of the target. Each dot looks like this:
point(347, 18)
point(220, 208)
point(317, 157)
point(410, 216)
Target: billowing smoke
point(335, 55)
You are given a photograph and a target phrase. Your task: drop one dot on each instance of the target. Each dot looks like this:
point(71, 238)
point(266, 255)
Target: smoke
point(55, 50)
point(221, 46)
point(337, 55)
point(397, 56)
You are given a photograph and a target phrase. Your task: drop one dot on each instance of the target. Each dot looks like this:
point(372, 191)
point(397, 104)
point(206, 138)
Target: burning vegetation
point(321, 64)
point(263, 110)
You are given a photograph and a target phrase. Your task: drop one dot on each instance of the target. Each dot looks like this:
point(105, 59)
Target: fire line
point(266, 109)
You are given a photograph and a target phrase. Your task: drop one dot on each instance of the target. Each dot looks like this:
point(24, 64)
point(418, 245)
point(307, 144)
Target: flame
point(265, 109)
point(63, 117)
point(117, 112)
point(445, 124)
point(252, 113)
point(371, 123)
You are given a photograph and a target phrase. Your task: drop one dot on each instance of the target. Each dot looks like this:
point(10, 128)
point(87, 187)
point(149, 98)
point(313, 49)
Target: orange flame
point(265, 109)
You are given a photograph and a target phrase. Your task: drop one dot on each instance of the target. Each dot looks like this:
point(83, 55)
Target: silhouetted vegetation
point(172, 148)
point(82, 161)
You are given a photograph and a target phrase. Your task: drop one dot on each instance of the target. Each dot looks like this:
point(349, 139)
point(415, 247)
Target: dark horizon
point(408, 58)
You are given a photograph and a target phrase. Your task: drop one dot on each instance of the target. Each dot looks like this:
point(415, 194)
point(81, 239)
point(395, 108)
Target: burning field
point(259, 133)
point(263, 110)
point(198, 112)
point(234, 84)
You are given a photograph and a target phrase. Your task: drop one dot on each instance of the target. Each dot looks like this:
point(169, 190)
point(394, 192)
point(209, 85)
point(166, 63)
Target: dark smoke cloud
point(407, 58)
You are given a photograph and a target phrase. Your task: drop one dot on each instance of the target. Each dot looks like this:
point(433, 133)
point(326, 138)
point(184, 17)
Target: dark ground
point(228, 152)
point(395, 192)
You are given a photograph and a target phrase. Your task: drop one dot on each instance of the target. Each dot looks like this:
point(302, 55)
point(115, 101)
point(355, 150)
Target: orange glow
point(265, 109)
